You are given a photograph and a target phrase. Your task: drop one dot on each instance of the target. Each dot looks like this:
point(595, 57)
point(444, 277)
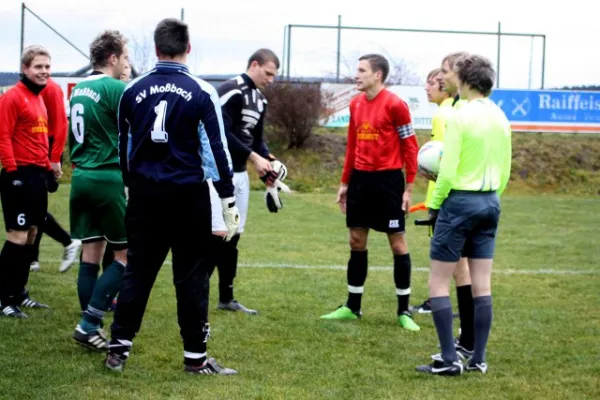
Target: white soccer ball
point(429, 158)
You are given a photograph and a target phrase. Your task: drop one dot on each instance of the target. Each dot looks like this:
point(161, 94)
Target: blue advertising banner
point(527, 110)
point(555, 110)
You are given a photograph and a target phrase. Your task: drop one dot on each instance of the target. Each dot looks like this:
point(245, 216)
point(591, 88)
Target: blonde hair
point(30, 52)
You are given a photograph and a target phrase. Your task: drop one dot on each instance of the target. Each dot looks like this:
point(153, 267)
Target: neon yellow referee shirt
point(477, 151)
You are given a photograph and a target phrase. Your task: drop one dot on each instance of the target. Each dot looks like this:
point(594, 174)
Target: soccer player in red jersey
point(23, 181)
point(374, 193)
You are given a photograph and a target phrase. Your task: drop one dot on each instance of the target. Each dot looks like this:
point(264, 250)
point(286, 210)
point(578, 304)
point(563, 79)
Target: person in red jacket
point(54, 100)
point(373, 192)
point(23, 180)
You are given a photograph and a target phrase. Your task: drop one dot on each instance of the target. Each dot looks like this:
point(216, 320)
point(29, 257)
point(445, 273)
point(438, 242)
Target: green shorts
point(97, 205)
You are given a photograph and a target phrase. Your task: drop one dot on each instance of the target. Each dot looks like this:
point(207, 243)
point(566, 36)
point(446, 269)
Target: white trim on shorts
point(241, 191)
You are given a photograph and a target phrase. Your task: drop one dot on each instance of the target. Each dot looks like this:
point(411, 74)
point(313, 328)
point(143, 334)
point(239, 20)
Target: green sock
point(86, 281)
point(107, 286)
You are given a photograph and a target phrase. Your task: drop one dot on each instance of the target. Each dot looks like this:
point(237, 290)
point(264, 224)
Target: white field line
point(381, 268)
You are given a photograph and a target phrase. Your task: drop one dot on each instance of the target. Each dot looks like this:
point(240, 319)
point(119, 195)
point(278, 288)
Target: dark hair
point(262, 56)
point(105, 45)
point(171, 37)
point(378, 63)
point(477, 72)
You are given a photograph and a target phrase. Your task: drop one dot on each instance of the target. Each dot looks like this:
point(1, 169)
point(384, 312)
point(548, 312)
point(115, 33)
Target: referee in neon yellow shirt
point(466, 340)
point(473, 174)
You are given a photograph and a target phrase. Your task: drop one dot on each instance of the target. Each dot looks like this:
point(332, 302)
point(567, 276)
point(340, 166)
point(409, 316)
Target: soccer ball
point(429, 157)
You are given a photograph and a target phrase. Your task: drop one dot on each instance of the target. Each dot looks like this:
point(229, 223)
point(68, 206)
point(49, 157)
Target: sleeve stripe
point(214, 97)
point(225, 98)
point(405, 131)
point(251, 113)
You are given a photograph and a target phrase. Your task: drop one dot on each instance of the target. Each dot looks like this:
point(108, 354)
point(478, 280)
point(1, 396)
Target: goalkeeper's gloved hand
point(269, 178)
point(272, 200)
point(231, 216)
point(280, 169)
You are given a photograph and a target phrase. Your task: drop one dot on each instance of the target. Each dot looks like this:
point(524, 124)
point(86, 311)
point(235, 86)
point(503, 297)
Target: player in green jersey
point(97, 203)
point(474, 173)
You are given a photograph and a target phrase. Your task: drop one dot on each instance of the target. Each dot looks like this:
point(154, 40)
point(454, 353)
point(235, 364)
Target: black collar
point(456, 99)
point(33, 87)
point(248, 81)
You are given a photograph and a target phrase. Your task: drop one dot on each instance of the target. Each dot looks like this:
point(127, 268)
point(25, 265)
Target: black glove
point(271, 199)
point(12, 178)
point(430, 221)
point(433, 214)
point(52, 182)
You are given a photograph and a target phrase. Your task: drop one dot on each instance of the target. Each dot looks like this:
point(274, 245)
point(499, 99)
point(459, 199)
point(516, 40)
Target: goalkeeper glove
point(272, 199)
point(280, 169)
point(231, 216)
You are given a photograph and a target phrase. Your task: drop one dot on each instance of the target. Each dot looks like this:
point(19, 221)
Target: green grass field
point(545, 340)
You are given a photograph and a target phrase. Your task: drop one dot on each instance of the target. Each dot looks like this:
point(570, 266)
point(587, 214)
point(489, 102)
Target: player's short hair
point(378, 64)
point(172, 37)
point(433, 73)
point(452, 57)
point(30, 52)
point(477, 72)
point(105, 45)
point(262, 56)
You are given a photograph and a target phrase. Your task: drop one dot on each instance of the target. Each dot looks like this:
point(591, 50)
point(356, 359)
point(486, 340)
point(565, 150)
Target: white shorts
point(241, 191)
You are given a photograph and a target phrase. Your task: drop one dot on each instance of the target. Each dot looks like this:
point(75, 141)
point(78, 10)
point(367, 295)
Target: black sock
point(402, 269)
point(86, 281)
point(483, 324)
point(216, 245)
point(441, 309)
point(356, 276)
point(227, 264)
point(12, 258)
point(465, 309)
point(36, 245)
point(29, 253)
point(56, 232)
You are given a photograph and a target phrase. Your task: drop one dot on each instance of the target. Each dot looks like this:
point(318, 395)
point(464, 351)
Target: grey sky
point(226, 33)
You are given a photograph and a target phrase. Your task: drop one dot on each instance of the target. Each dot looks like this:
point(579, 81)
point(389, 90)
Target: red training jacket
point(380, 136)
point(23, 129)
point(54, 100)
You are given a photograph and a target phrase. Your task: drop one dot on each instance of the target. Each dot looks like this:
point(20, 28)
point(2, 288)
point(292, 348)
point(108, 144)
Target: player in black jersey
point(244, 108)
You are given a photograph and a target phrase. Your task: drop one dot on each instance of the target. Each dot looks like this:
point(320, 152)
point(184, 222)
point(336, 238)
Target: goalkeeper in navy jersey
point(244, 109)
point(171, 139)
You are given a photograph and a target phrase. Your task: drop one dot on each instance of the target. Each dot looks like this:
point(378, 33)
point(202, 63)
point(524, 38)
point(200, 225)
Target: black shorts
point(375, 201)
point(24, 195)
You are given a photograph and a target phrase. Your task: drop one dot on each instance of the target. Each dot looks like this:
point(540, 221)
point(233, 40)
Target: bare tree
point(402, 74)
point(142, 56)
